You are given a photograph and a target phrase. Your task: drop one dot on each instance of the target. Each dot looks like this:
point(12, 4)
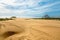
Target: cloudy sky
point(29, 8)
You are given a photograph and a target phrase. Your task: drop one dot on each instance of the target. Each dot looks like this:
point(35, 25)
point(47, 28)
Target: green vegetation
point(47, 17)
point(13, 17)
point(4, 19)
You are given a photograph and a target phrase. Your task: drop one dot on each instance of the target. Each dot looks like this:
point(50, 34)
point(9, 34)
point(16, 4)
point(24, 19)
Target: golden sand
point(30, 29)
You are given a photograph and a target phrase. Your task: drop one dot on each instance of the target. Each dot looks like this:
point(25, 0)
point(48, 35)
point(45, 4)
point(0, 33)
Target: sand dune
point(30, 29)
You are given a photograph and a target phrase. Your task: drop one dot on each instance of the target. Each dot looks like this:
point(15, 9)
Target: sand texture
point(30, 29)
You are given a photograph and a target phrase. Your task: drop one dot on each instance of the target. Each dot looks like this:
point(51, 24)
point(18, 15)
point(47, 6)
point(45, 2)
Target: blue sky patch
point(29, 8)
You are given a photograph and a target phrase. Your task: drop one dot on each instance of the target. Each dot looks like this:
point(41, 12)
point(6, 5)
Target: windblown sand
point(30, 29)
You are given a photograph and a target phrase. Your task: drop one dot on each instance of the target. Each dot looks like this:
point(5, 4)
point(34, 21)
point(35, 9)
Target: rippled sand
point(30, 29)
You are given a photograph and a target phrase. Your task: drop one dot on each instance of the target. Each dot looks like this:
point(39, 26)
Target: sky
point(29, 8)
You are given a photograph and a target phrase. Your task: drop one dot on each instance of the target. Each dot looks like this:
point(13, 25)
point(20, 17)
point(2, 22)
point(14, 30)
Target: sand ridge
point(30, 29)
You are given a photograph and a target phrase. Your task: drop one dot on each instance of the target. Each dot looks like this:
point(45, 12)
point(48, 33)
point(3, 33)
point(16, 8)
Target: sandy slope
point(30, 29)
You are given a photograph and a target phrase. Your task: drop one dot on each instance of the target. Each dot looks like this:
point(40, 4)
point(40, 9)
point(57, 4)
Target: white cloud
point(21, 7)
point(13, 3)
